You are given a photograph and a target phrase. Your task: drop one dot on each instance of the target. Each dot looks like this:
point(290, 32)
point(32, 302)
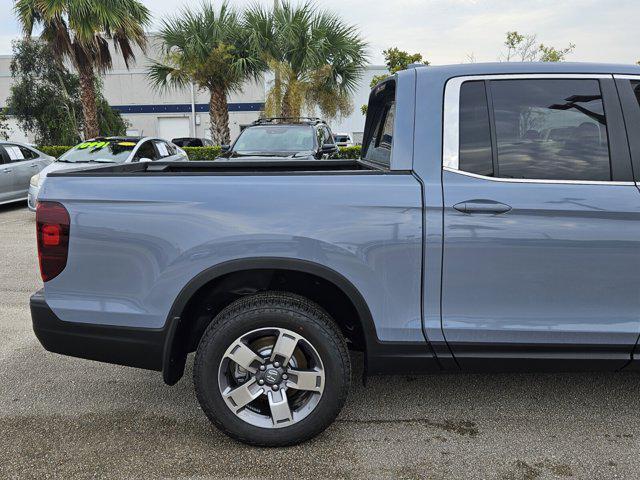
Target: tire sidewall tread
point(275, 309)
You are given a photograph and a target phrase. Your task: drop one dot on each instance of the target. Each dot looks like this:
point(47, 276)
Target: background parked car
point(343, 139)
point(295, 138)
point(192, 142)
point(108, 150)
point(18, 162)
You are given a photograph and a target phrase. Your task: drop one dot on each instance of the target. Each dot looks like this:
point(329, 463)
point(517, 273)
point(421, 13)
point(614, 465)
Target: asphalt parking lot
point(62, 417)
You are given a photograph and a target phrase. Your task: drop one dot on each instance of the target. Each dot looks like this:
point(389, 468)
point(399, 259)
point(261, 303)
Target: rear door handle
point(482, 206)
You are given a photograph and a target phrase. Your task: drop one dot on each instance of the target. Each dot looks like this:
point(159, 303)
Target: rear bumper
point(134, 347)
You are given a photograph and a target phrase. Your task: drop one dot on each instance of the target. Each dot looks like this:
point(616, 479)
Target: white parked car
point(108, 150)
point(343, 139)
point(18, 163)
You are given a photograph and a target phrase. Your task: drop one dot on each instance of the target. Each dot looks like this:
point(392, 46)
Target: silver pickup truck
point(493, 223)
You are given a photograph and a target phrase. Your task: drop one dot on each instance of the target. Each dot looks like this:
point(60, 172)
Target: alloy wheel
point(271, 377)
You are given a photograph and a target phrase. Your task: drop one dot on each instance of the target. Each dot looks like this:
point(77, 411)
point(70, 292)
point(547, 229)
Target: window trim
point(451, 124)
point(631, 113)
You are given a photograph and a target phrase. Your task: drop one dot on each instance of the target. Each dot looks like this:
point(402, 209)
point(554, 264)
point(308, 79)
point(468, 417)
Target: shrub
point(205, 153)
point(202, 153)
point(348, 152)
point(53, 150)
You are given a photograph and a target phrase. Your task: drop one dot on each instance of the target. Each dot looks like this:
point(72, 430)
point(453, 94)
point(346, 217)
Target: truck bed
point(278, 167)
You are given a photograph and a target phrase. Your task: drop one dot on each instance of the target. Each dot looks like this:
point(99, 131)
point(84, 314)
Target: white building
point(168, 114)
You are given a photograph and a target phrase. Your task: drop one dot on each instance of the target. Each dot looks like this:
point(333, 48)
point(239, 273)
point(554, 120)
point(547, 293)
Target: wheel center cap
point(272, 376)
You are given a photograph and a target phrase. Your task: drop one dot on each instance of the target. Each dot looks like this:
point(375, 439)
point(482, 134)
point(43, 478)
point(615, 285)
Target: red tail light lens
point(52, 230)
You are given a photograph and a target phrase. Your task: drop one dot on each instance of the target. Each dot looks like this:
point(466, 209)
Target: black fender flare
point(172, 368)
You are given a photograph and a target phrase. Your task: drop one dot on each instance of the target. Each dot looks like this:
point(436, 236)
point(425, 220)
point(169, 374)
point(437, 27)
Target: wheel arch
point(173, 361)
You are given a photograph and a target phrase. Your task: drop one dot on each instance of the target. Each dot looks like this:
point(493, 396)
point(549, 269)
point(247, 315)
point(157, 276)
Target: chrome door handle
point(482, 207)
point(35, 165)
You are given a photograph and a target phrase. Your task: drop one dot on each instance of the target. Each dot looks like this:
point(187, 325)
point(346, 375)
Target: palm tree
point(79, 31)
point(316, 58)
point(209, 47)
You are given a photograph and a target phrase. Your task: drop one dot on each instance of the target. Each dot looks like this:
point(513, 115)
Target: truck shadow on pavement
point(67, 417)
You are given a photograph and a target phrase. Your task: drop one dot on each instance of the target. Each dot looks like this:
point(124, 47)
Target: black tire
point(278, 310)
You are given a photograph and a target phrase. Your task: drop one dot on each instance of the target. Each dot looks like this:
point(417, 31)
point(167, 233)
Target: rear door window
point(538, 129)
point(551, 129)
point(16, 153)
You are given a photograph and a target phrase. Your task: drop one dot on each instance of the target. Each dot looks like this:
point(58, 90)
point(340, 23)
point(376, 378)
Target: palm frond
point(325, 56)
point(164, 76)
point(81, 29)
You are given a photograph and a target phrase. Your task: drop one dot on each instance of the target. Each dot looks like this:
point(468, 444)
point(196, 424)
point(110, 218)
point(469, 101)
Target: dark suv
point(295, 138)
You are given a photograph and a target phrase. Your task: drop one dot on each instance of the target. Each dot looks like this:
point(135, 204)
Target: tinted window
point(188, 142)
point(378, 136)
point(27, 153)
point(475, 134)
point(635, 84)
point(550, 129)
point(146, 150)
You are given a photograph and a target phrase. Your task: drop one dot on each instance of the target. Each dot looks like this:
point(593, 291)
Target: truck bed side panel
point(137, 241)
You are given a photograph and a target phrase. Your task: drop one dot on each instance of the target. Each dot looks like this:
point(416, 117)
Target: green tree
point(4, 124)
point(110, 122)
point(45, 97)
point(316, 58)
point(210, 47)
point(80, 31)
point(525, 48)
point(395, 60)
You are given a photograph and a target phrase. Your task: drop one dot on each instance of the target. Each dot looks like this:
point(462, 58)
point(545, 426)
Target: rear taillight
point(52, 230)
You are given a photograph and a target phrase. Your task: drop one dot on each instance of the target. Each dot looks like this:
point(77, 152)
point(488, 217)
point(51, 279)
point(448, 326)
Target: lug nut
point(275, 387)
point(263, 368)
point(276, 364)
point(261, 382)
point(285, 376)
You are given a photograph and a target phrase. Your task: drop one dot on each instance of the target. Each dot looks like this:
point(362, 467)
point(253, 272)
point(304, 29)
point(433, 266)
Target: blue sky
point(449, 31)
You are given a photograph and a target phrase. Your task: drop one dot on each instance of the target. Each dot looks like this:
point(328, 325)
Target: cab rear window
point(378, 135)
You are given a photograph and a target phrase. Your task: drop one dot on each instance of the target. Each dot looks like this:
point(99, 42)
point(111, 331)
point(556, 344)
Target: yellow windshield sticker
point(127, 144)
point(93, 145)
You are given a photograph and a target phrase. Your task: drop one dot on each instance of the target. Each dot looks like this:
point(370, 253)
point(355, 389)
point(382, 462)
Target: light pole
point(193, 110)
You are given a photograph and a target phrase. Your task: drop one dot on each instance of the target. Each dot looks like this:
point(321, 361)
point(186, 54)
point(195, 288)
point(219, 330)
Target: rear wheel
point(272, 370)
